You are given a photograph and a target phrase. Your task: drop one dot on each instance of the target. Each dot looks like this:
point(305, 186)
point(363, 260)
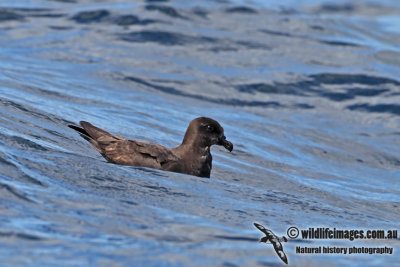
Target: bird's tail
point(93, 134)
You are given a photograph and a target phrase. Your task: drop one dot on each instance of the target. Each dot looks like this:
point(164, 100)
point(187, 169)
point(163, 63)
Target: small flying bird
point(274, 240)
point(192, 157)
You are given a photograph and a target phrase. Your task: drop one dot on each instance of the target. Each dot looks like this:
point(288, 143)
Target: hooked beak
point(225, 143)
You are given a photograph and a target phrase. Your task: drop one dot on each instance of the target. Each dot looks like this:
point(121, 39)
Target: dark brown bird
point(192, 157)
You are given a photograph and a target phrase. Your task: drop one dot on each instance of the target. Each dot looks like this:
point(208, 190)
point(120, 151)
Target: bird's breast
point(205, 165)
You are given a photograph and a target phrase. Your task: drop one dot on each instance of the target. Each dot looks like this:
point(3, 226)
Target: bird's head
point(206, 132)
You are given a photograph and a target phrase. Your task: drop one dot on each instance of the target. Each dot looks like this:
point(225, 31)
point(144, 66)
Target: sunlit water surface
point(308, 92)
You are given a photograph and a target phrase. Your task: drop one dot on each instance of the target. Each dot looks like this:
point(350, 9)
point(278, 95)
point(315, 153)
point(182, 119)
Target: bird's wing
point(136, 153)
point(281, 254)
point(117, 149)
point(282, 239)
point(261, 228)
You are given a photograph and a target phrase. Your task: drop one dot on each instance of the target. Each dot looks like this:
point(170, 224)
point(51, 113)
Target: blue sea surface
point(307, 91)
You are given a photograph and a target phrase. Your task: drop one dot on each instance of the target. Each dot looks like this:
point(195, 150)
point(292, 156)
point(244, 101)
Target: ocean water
point(307, 91)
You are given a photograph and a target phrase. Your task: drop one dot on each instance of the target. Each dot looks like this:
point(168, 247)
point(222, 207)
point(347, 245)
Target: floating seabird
point(274, 240)
point(192, 157)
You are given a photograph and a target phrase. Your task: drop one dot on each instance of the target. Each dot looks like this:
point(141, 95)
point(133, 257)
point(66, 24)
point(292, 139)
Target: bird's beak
point(225, 143)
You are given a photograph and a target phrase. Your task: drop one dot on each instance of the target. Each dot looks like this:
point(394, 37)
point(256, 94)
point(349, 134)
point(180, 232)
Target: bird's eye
point(210, 128)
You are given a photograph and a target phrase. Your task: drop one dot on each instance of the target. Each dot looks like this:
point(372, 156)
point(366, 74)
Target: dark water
point(308, 92)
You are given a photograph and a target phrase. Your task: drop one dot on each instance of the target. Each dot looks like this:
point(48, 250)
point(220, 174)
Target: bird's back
point(116, 149)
